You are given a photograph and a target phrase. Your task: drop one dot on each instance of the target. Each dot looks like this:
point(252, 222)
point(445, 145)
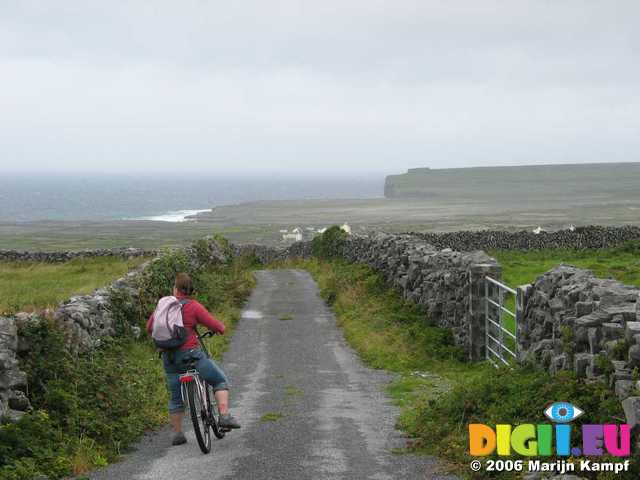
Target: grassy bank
point(90, 408)
point(30, 286)
point(439, 394)
point(521, 267)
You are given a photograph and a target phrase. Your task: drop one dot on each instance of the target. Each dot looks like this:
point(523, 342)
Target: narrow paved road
point(288, 357)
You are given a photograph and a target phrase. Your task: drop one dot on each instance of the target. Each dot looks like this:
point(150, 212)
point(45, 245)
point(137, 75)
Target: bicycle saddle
point(190, 359)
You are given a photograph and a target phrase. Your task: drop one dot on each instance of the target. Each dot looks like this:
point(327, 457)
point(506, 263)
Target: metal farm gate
point(501, 316)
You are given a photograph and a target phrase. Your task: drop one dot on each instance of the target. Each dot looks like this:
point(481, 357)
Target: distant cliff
point(596, 180)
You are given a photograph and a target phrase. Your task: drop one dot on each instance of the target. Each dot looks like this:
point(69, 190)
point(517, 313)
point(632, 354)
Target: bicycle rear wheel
point(199, 417)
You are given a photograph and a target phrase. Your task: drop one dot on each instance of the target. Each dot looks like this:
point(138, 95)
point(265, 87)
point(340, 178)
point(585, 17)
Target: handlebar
point(206, 334)
point(202, 336)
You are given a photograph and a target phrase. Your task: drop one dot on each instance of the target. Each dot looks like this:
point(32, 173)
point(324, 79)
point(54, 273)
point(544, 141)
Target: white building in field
point(295, 235)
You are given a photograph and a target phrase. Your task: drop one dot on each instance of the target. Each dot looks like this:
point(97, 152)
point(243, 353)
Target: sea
point(163, 198)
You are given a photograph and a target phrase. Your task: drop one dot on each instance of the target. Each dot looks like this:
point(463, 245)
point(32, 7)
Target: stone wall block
point(631, 408)
point(632, 329)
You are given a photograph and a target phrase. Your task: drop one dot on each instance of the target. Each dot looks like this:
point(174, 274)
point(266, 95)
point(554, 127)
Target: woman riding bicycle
point(193, 314)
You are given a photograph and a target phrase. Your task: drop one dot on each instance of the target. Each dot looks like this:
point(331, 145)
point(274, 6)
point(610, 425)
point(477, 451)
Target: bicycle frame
point(193, 376)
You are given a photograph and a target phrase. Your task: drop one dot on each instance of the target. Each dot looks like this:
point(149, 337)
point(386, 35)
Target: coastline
point(261, 222)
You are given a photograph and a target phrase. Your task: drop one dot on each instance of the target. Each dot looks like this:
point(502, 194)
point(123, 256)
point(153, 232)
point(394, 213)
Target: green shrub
point(329, 244)
point(126, 312)
point(86, 407)
point(158, 278)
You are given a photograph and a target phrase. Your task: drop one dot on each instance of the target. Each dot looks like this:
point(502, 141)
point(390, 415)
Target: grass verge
point(89, 408)
point(440, 394)
point(30, 286)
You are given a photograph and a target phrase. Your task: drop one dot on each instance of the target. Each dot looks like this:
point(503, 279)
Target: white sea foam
point(176, 216)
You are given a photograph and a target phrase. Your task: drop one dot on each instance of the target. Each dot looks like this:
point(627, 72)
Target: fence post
point(522, 294)
point(477, 339)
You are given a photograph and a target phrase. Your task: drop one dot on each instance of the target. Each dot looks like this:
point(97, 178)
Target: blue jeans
point(174, 365)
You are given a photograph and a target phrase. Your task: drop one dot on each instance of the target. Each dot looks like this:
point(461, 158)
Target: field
point(523, 267)
point(29, 286)
point(467, 199)
point(261, 222)
point(520, 267)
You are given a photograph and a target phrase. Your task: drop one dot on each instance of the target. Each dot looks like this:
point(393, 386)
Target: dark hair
point(184, 284)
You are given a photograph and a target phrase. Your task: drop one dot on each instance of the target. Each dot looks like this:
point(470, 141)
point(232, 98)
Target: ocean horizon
point(162, 198)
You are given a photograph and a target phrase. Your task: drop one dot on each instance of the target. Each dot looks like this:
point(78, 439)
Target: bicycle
point(198, 394)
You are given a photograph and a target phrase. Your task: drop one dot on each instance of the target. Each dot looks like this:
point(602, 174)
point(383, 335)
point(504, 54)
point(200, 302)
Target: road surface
point(289, 361)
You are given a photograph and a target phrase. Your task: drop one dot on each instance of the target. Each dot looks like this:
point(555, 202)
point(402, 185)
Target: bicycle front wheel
point(199, 416)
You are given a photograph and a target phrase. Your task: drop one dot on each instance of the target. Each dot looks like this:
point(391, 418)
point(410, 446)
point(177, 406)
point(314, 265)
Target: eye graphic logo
point(562, 412)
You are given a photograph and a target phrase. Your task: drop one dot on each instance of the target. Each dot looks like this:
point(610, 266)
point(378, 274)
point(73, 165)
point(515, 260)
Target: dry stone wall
point(439, 281)
point(580, 238)
point(65, 256)
point(86, 320)
point(13, 381)
point(575, 321)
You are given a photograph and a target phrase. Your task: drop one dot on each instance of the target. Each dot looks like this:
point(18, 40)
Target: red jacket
point(193, 314)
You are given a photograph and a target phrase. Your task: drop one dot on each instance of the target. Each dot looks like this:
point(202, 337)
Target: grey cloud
point(333, 85)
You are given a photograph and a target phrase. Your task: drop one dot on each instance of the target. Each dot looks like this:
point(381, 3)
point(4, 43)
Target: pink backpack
point(168, 331)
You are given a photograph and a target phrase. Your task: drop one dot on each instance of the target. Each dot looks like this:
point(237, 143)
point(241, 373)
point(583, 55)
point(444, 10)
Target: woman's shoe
point(179, 439)
point(227, 421)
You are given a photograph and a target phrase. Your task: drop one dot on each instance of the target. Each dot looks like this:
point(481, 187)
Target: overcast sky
point(316, 86)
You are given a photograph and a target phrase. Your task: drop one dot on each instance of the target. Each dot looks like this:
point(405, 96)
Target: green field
point(523, 267)
point(31, 286)
point(520, 267)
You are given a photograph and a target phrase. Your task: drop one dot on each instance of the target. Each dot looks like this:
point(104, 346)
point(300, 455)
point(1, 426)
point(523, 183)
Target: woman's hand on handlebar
point(206, 334)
